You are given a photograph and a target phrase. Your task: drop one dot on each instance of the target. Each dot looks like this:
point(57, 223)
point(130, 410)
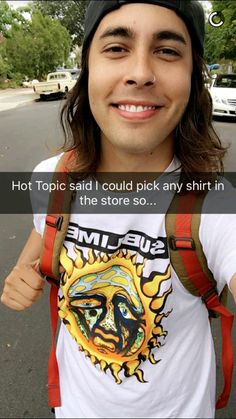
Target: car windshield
point(225, 80)
point(75, 76)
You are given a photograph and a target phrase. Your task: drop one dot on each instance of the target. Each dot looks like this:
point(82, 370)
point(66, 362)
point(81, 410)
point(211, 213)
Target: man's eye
point(168, 52)
point(115, 49)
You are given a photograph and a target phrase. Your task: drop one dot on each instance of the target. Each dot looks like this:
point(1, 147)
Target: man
point(145, 346)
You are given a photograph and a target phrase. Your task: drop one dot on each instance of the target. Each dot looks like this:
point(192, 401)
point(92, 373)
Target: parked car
point(223, 93)
point(29, 83)
point(75, 72)
point(57, 84)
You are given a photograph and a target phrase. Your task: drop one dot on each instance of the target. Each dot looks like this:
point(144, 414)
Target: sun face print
point(113, 312)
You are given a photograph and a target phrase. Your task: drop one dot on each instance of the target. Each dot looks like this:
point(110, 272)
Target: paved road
point(28, 134)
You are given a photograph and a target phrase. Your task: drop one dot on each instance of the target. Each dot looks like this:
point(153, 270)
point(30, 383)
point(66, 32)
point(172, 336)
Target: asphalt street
point(29, 132)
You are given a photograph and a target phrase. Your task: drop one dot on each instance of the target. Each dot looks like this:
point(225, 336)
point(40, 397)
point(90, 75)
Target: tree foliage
point(221, 41)
point(8, 17)
point(38, 47)
point(4, 65)
point(69, 13)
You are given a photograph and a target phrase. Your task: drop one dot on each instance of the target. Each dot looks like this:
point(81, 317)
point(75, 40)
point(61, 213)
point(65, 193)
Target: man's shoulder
point(48, 165)
point(221, 199)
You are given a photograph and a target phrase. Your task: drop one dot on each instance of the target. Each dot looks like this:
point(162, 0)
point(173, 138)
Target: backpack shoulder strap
point(182, 230)
point(57, 218)
point(56, 225)
point(190, 265)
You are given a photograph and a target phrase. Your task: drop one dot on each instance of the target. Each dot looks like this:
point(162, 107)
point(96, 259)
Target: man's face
point(140, 66)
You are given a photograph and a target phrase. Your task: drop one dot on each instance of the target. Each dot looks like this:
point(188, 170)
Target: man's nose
point(140, 72)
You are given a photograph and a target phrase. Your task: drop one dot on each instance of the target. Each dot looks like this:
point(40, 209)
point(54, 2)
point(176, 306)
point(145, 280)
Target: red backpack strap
point(54, 394)
point(56, 226)
point(57, 218)
point(182, 242)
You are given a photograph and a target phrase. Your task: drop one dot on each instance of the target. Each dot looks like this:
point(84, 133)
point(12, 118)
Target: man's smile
point(137, 110)
point(133, 108)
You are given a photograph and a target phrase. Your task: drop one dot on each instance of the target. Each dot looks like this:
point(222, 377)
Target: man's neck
point(117, 161)
point(118, 158)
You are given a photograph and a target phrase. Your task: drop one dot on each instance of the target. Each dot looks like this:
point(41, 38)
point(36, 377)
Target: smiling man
point(134, 342)
point(139, 85)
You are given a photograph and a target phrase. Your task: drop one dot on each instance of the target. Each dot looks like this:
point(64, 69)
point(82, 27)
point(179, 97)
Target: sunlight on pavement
point(11, 98)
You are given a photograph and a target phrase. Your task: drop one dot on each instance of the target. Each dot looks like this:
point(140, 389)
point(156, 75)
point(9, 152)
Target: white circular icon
point(216, 19)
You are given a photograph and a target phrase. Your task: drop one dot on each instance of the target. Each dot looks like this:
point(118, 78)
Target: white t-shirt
point(133, 343)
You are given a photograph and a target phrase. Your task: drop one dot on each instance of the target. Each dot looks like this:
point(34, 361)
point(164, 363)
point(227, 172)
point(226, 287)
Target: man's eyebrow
point(169, 36)
point(126, 32)
point(118, 31)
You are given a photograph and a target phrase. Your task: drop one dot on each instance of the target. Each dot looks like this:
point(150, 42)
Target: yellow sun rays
point(83, 272)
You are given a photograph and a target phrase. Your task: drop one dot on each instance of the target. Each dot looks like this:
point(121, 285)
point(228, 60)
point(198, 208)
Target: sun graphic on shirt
point(112, 311)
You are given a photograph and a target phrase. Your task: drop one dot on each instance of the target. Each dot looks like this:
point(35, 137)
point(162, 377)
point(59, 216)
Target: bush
point(13, 81)
point(4, 84)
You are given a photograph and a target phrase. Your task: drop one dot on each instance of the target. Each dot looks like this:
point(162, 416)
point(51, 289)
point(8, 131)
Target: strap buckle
point(212, 292)
point(52, 281)
point(185, 243)
point(54, 221)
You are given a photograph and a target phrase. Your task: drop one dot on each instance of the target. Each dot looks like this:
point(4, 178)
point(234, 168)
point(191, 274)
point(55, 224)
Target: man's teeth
point(133, 108)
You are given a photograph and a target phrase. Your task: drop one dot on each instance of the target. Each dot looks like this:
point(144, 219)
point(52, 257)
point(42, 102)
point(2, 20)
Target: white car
point(223, 93)
point(29, 83)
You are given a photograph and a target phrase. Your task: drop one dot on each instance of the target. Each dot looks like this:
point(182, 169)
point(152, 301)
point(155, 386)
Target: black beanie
point(190, 11)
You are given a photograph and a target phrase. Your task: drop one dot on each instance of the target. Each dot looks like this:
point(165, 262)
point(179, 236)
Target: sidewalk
point(11, 98)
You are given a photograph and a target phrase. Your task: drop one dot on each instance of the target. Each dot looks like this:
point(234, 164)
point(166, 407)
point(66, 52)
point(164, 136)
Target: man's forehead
point(190, 11)
point(129, 23)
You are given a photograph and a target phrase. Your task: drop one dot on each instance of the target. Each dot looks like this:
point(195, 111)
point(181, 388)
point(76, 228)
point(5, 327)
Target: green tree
point(4, 65)
point(38, 47)
point(8, 17)
point(221, 41)
point(69, 13)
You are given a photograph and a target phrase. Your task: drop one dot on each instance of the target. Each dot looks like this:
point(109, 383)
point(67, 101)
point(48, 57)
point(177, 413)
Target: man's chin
point(140, 148)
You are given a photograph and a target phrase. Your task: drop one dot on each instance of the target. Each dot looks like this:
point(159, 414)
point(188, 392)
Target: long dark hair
point(197, 145)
